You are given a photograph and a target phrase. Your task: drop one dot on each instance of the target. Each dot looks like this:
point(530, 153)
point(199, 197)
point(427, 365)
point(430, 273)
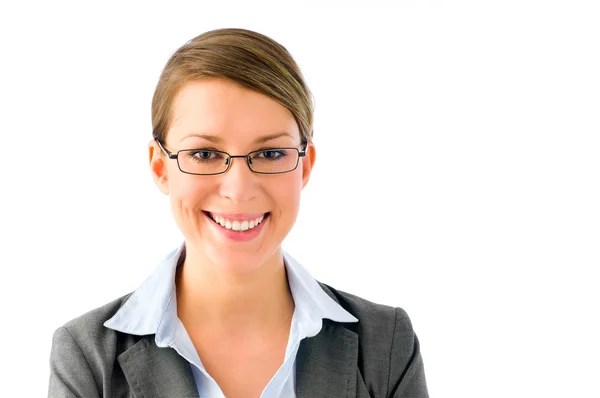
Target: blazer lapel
point(152, 371)
point(326, 365)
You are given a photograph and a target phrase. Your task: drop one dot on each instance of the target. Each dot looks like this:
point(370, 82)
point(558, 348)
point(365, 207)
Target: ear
point(308, 161)
point(158, 167)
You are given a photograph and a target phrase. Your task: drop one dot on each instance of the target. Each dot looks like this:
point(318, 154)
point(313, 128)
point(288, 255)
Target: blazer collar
point(326, 365)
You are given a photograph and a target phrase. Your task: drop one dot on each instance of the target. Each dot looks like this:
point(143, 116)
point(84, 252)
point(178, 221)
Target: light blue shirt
point(152, 309)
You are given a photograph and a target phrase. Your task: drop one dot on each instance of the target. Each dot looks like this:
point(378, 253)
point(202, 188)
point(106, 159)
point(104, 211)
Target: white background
point(457, 174)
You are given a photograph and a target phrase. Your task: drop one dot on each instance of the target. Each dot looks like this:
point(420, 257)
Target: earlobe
point(158, 167)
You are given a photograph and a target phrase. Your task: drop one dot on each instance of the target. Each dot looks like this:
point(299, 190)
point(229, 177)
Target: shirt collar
point(153, 304)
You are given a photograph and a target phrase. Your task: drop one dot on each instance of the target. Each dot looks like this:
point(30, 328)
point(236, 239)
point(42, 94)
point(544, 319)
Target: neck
point(212, 296)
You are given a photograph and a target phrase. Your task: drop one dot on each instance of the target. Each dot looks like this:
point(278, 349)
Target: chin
point(238, 260)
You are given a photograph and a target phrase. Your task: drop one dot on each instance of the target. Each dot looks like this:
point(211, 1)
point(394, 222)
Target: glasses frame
point(228, 162)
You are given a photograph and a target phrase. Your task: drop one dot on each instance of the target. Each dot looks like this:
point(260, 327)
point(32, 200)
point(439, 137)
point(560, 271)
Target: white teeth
point(238, 225)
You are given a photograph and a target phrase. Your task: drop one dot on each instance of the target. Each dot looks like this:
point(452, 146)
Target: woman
point(229, 313)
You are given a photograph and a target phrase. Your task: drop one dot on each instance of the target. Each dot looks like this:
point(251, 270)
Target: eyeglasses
point(211, 162)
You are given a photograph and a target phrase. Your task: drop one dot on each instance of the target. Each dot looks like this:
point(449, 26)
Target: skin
point(237, 291)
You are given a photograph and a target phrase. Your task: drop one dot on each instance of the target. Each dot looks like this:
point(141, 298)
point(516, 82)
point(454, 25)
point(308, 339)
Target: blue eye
point(204, 155)
point(271, 154)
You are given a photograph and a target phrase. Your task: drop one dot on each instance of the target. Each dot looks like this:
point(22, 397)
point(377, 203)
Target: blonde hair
point(243, 56)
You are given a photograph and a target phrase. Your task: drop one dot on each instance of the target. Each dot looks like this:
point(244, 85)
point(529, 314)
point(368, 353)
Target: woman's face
point(221, 115)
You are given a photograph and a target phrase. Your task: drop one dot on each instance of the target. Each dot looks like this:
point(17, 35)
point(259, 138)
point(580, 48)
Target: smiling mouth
point(237, 225)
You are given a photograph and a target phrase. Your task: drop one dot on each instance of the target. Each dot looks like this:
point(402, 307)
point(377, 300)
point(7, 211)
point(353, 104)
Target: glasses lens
point(274, 160)
point(202, 161)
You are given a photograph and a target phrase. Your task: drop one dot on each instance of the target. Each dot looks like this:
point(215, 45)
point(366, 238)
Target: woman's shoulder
point(93, 320)
point(84, 351)
point(88, 333)
point(380, 328)
point(369, 313)
point(387, 345)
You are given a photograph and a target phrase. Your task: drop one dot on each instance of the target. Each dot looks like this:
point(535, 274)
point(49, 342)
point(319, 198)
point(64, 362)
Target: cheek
point(286, 194)
point(188, 192)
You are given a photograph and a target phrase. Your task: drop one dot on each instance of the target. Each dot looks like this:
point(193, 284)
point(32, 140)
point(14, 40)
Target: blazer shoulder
point(92, 322)
point(368, 313)
point(84, 352)
point(390, 361)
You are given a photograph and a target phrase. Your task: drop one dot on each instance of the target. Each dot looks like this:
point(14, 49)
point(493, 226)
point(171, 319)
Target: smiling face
point(219, 114)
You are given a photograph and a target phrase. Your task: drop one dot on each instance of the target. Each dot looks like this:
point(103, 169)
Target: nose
point(239, 183)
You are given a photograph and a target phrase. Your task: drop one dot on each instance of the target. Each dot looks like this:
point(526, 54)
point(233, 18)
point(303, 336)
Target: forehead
point(229, 111)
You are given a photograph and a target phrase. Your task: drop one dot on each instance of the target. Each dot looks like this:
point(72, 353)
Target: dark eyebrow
point(218, 140)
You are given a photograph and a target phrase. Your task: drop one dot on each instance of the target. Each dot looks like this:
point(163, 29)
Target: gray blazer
point(377, 357)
